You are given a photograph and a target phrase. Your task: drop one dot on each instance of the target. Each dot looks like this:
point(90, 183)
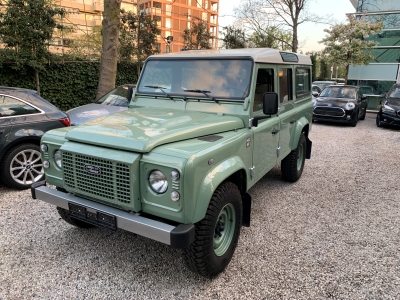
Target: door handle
point(293, 121)
point(275, 131)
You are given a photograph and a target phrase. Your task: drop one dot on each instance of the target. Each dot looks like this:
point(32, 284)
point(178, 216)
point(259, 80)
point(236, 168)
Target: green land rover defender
point(203, 126)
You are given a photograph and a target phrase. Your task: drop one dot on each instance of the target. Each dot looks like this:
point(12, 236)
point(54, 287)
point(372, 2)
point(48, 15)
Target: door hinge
point(278, 151)
point(252, 171)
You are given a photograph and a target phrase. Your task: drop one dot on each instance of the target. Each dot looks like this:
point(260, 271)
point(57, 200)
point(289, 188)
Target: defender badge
point(93, 170)
point(248, 142)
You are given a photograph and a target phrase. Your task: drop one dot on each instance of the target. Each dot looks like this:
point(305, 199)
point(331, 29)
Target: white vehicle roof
point(261, 55)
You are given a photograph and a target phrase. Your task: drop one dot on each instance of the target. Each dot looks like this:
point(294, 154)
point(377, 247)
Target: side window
point(13, 107)
point(265, 83)
point(285, 85)
point(303, 82)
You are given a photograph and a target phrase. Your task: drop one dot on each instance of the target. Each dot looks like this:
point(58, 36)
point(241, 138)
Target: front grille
point(329, 111)
point(110, 181)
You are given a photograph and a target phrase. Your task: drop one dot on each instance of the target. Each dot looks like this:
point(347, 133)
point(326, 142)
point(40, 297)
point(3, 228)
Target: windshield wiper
point(161, 88)
point(204, 92)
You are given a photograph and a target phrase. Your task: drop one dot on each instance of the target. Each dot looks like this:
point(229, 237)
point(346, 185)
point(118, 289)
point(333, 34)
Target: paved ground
point(333, 234)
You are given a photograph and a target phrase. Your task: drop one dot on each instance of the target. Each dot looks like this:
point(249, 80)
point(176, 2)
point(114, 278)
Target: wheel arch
point(231, 169)
point(302, 126)
point(23, 140)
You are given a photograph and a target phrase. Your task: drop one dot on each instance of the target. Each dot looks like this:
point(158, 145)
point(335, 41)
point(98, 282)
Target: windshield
point(339, 92)
point(117, 97)
point(395, 93)
point(228, 78)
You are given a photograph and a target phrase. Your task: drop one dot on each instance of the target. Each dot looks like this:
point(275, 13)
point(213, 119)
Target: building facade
point(383, 71)
point(174, 16)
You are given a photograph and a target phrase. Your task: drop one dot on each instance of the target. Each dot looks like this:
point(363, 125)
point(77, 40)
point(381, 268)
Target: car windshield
point(323, 84)
point(117, 97)
point(228, 78)
point(339, 92)
point(395, 93)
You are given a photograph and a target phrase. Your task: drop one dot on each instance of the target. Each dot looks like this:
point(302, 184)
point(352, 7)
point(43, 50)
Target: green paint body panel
point(109, 159)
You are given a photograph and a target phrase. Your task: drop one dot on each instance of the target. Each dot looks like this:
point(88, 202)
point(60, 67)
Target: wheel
point(293, 164)
point(216, 236)
point(355, 120)
point(364, 115)
point(64, 214)
point(378, 120)
point(21, 166)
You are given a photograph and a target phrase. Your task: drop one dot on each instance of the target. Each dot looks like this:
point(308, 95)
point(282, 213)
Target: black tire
point(293, 164)
point(64, 214)
point(364, 115)
point(216, 240)
point(355, 120)
point(378, 120)
point(21, 166)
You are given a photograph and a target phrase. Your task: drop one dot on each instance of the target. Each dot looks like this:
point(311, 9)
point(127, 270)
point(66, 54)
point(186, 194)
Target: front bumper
point(180, 236)
point(390, 119)
point(335, 114)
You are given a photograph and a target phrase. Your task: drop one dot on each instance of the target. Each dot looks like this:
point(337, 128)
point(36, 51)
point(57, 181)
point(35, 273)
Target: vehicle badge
point(93, 170)
point(248, 142)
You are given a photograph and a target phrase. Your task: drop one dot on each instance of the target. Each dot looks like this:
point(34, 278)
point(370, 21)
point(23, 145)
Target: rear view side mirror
point(270, 103)
point(315, 94)
point(129, 94)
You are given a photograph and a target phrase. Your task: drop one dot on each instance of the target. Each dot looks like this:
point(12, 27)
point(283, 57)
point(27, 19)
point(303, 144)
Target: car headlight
point(158, 182)
point(44, 148)
point(350, 106)
point(314, 102)
point(57, 158)
point(387, 108)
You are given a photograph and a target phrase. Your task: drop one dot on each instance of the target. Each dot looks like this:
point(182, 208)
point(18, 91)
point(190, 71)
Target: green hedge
point(68, 84)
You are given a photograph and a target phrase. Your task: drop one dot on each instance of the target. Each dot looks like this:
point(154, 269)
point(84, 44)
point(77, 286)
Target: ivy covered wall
point(68, 84)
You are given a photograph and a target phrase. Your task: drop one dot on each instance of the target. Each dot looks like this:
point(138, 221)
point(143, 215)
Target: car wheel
point(355, 120)
point(378, 120)
point(364, 115)
point(292, 165)
point(21, 166)
point(65, 215)
point(216, 236)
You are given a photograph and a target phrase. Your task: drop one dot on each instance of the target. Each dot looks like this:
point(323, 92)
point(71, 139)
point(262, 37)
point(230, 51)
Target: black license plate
point(92, 216)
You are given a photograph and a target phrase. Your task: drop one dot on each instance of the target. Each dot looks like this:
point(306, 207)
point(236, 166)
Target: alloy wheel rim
point(26, 167)
point(224, 229)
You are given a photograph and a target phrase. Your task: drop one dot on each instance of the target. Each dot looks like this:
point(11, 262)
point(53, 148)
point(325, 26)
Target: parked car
point(323, 84)
point(116, 100)
point(340, 103)
point(24, 118)
point(389, 113)
point(315, 90)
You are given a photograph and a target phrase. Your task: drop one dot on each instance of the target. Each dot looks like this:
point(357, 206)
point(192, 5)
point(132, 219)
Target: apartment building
point(174, 16)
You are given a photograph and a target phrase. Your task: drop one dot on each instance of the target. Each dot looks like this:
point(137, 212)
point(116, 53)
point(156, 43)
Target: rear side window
point(303, 82)
point(13, 107)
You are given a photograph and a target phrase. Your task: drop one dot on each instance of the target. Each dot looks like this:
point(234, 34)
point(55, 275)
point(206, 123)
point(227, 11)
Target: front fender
point(211, 181)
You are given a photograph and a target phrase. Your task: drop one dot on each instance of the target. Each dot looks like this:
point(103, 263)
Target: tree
point(109, 52)
point(26, 27)
point(284, 15)
point(138, 37)
point(271, 37)
point(197, 36)
point(345, 43)
point(233, 38)
point(87, 44)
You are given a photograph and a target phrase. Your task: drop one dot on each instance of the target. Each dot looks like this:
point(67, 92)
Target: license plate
point(92, 216)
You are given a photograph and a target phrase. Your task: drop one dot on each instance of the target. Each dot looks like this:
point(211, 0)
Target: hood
point(334, 102)
point(142, 129)
point(394, 102)
point(91, 111)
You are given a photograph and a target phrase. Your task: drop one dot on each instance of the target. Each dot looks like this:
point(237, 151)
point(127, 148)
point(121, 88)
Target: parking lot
point(333, 234)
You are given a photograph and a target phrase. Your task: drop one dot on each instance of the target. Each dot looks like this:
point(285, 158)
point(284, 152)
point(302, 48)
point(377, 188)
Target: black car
point(389, 113)
point(116, 100)
point(24, 118)
point(340, 103)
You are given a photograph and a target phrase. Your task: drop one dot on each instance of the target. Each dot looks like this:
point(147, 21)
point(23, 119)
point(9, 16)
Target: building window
point(204, 16)
point(168, 9)
point(189, 16)
point(168, 22)
point(199, 3)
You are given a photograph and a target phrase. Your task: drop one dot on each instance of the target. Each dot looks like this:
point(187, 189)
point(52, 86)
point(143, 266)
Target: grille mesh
point(112, 184)
point(329, 111)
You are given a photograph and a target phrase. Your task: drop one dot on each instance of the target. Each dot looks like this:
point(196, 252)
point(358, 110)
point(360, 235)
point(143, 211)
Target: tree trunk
point(295, 42)
point(37, 81)
point(109, 53)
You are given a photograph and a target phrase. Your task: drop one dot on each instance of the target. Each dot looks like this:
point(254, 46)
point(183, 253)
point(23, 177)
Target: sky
point(309, 34)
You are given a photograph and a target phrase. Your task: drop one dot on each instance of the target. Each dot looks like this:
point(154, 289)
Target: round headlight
point(175, 196)
point(57, 158)
point(158, 181)
point(44, 148)
point(46, 164)
point(350, 106)
point(175, 175)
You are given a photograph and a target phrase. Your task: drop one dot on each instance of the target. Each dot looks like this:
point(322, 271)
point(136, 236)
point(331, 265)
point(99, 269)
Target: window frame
point(304, 94)
point(40, 111)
